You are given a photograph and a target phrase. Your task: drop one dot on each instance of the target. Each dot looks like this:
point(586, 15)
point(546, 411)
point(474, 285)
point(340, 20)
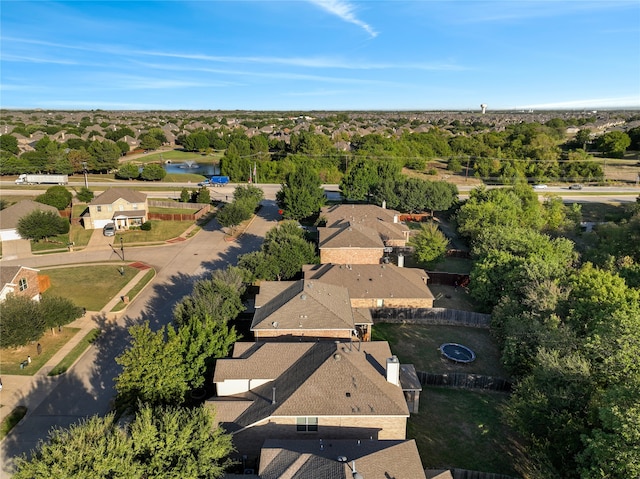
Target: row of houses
point(313, 396)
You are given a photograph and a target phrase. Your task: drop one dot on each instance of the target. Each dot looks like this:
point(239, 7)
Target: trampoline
point(457, 352)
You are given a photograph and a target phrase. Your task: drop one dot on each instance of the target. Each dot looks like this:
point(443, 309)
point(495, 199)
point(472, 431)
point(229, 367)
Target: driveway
point(16, 249)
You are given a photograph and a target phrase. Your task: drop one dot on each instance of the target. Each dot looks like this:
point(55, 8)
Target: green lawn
point(453, 265)
point(169, 211)
point(58, 242)
point(91, 287)
point(418, 345)
point(463, 429)
point(160, 231)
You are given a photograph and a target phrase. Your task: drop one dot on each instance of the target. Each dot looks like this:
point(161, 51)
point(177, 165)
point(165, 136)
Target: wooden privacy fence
point(450, 279)
point(435, 316)
point(464, 380)
point(181, 216)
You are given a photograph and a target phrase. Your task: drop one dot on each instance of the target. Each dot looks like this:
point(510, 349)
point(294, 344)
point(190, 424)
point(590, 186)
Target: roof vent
point(337, 356)
point(303, 296)
point(342, 459)
point(275, 324)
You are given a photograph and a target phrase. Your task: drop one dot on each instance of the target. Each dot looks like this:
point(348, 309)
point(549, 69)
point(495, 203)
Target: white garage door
point(99, 224)
point(8, 235)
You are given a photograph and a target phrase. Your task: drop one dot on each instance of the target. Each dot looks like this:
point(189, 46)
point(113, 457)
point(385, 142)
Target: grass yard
point(75, 353)
point(91, 287)
point(452, 298)
point(53, 243)
point(451, 264)
point(172, 211)
point(10, 358)
point(463, 429)
point(160, 231)
point(184, 177)
point(136, 289)
point(11, 420)
point(418, 345)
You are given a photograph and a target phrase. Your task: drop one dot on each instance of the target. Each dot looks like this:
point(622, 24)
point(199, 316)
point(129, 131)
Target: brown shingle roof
point(373, 280)
point(324, 379)
point(302, 305)
point(10, 216)
point(356, 236)
point(113, 194)
point(289, 459)
point(383, 220)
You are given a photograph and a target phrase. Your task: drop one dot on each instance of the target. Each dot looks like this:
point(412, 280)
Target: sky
point(320, 55)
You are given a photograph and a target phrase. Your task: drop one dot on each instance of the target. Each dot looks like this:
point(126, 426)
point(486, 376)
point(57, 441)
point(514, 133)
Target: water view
point(191, 166)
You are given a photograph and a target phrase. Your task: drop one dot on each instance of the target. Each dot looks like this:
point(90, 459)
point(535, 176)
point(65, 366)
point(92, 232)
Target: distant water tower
point(484, 108)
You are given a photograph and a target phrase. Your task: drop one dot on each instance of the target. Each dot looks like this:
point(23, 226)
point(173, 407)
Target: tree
point(21, 322)
point(440, 195)
point(42, 224)
point(58, 311)
point(128, 171)
point(85, 195)
point(614, 144)
point(160, 443)
point(9, 143)
point(153, 369)
point(124, 146)
point(359, 180)
point(57, 196)
point(153, 172)
point(301, 196)
point(232, 214)
point(185, 196)
point(203, 196)
point(430, 244)
point(149, 142)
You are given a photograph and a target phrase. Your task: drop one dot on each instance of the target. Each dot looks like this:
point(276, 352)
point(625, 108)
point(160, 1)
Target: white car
point(539, 187)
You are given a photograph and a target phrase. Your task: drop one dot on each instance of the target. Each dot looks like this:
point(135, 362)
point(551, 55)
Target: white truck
point(32, 179)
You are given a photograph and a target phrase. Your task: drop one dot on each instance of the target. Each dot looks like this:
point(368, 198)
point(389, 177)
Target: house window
point(121, 207)
point(307, 424)
point(135, 206)
point(98, 209)
point(23, 284)
point(109, 208)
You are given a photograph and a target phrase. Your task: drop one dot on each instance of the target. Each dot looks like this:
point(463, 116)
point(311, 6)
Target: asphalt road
point(88, 388)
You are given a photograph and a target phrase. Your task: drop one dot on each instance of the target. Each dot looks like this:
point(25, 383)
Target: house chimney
point(400, 261)
point(384, 204)
point(395, 218)
point(393, 370)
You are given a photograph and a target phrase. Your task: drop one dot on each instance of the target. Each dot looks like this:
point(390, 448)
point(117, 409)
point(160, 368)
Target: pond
point(181, 167)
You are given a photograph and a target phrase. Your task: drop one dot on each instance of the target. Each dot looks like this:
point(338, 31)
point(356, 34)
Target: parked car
point(109, 229)
point(576, 186)
point(539, 187)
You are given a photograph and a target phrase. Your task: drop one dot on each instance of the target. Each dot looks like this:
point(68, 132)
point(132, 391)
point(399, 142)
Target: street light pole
point(122, 248)
point(84, 170)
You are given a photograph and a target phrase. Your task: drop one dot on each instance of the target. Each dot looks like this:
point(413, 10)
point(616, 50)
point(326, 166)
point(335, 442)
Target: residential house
point(19, 281)
point(307, 310)
point(355, 244)
point(121, 206)
point(376, 285)
point(340, 459)
point(309, 390)
point(9, 217)
point(384, 222)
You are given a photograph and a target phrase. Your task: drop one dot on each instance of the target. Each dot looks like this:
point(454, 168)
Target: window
point(307, 424)
point(109, 207)
point(98, 209)
point(23, 284)
point(135, 206)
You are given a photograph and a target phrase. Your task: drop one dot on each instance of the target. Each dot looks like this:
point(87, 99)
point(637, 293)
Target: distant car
point(109, 229)
point(539, 187)
point(204, 183)
point(575, 187)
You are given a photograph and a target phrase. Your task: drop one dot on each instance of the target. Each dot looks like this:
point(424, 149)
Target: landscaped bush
point(146, 226)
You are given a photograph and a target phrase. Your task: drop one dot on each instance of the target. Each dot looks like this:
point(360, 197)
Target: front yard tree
point(21, 322)
point(153, 369)
point(430, 244)
point(42, 224)
point(57, 196)
point(301, 195)
point(58, 311)
point(85, 195)
point(232, 214)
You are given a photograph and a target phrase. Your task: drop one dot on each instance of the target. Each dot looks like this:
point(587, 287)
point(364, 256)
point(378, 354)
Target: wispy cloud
point(24, 59)
point(616, 102)
point(345, 11)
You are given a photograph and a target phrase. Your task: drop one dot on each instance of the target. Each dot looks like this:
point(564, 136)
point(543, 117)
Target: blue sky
point(320, 54)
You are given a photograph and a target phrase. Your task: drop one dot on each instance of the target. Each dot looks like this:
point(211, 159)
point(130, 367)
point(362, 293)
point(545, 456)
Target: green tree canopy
point(430, 244)
point(153, 172)
point(40, 224)
point(57, 196)
point(128, 171)
point(301, 196)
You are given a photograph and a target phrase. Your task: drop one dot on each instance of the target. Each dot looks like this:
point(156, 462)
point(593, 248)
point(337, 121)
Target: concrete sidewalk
point(20, 390)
